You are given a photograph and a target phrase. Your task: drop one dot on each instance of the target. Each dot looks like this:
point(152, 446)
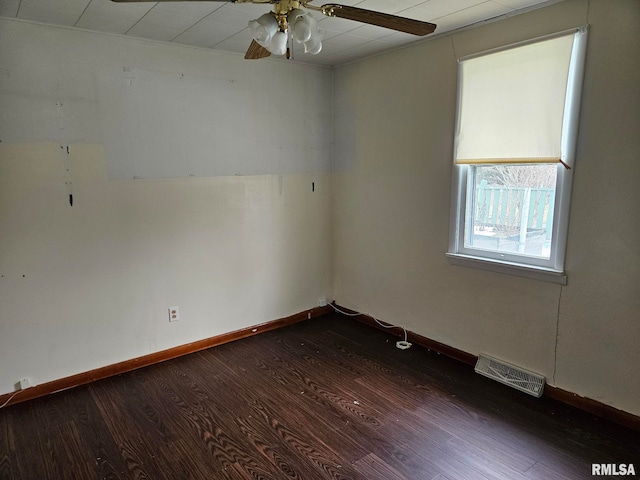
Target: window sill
point(508, 268)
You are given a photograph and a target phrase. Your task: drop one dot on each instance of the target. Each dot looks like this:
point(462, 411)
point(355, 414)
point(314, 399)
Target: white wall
point(394, 117)
point(89, 285)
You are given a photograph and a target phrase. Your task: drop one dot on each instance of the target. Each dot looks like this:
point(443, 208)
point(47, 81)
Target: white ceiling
point(223, 26)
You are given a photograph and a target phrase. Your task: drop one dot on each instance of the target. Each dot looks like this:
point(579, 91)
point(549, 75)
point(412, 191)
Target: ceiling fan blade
point(401, 24)
point(256, 51)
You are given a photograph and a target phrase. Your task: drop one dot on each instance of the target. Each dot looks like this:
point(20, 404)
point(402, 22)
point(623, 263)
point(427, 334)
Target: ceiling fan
point(290, 20)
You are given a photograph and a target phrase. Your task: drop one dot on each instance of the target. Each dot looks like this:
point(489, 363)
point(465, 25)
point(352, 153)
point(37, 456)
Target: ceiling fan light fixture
point(272, 31)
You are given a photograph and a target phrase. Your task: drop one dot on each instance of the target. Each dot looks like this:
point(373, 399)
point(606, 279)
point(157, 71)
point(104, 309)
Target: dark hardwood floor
point(323, 399)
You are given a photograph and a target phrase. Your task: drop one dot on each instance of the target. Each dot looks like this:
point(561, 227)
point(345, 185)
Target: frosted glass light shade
point(263, 28)
point(305, 29)
point(278, 43)
point(313, 46)
point(301, 31)
point(294, 15)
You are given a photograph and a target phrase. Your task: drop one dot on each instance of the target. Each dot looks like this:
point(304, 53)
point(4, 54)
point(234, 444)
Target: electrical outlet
point(322, 302)
point(174, 314)
point(24, 383)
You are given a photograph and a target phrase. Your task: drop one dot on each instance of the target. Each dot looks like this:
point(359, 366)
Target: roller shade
point(512, 102)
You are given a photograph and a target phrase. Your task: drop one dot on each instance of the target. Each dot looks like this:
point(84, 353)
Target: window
point(514, 152)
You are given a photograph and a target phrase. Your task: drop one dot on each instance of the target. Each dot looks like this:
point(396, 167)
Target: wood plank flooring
point(327, 398)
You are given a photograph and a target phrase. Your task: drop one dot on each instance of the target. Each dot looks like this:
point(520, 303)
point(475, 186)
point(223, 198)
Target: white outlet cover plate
point(174, 314)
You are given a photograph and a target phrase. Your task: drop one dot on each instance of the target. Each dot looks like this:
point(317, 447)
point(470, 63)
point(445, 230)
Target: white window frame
point(551, 270)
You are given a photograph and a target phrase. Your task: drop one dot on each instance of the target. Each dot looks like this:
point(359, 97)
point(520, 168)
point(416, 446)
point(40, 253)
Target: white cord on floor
point(357, 314)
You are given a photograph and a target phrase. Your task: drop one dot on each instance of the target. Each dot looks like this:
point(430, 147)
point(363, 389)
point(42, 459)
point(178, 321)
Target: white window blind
point(512, 104)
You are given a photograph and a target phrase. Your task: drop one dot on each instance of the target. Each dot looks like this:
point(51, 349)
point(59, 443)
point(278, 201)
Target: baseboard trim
point(146, 360)
point(585, 404)
point(593, 407)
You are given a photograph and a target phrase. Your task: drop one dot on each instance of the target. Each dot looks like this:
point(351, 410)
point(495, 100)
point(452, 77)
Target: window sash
point(556, 256)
